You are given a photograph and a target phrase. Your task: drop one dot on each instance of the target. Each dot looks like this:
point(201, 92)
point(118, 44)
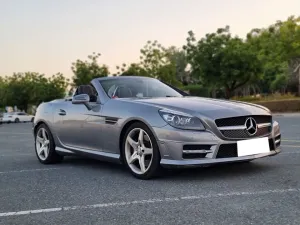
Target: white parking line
point(22, 154)
point(291, 146)
point(148, 201)
point(30, 170)
point(16, 133)
point(290, 152)
point(290, 140)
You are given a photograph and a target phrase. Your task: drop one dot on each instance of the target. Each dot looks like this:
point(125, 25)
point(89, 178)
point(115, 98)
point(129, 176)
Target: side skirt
point(104, 156)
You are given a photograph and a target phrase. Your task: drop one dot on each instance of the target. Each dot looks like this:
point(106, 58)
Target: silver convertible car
point(147, 125)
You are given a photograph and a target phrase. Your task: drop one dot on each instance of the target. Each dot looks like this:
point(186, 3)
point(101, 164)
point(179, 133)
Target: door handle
point(62, 112)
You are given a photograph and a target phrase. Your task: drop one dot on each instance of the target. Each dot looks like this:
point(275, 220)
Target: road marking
point(15, 133)
point(30, 170)
point(291, 146)
point(290, 140)
point(10, 155)
point(289, 152)
point(148, 201)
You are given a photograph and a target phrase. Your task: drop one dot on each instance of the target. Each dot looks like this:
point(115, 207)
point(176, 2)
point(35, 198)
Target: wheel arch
point(126, 125)
point(40, 123)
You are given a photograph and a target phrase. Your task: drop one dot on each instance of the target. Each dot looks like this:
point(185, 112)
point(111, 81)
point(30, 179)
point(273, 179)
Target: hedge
point(282, 106)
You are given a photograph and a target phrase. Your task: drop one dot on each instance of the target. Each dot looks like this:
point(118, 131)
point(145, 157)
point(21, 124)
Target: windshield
point(137, 87)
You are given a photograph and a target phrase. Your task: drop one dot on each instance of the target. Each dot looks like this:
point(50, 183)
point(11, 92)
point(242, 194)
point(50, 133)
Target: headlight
point(181, 120)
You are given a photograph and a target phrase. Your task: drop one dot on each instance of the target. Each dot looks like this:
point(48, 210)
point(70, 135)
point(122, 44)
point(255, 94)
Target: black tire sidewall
point(155, 165)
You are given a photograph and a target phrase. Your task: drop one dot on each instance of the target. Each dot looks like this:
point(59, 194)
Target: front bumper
point(199, 162)
point(173, 145)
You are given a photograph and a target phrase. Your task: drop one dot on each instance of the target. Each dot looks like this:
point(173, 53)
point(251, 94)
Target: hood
point(208, 107)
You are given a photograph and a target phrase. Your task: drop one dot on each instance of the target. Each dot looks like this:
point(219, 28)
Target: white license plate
point(253, 146)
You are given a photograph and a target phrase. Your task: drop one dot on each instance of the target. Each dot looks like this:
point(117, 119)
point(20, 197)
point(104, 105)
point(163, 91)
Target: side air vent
point(111, 120)
point(195, 151)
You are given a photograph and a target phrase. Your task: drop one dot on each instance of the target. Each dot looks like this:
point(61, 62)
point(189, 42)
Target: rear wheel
point(140, 151)
point(45, 146)
point(17, 120)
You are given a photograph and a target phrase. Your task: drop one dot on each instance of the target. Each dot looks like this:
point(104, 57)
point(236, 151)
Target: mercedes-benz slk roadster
point(147, 125)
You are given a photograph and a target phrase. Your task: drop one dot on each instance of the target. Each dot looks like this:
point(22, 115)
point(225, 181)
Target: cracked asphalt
point(84, 191)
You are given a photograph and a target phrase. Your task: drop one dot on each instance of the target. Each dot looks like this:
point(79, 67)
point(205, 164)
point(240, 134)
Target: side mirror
point(82, 99)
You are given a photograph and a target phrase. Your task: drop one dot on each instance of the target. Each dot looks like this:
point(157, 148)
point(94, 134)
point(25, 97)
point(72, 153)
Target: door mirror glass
point(81, 99)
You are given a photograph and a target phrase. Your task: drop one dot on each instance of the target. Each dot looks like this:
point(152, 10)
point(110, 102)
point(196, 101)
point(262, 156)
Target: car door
point(80, 127)
point(27, 117)
point(21, 116)
point(24, 116)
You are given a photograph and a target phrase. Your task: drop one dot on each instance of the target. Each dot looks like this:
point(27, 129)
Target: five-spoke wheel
point(45, 146)
point(140, 151)
point(42, 143)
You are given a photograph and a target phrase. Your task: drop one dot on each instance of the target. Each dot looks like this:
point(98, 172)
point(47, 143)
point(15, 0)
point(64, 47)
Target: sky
point(46, 36)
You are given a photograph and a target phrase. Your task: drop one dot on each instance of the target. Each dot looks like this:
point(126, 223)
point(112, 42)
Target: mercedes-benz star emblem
point(251, 126)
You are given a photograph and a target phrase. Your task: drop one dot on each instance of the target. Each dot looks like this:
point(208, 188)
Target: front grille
point(227, 151)
point(239, 121)
point(225, 125)
point(230, 150)
point(242, 134)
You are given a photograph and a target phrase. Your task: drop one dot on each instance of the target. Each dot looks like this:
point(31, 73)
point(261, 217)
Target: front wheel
point(45, 146)
point(141, 152)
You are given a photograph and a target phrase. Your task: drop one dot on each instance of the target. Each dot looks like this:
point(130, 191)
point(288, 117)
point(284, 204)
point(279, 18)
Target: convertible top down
point(147, 124)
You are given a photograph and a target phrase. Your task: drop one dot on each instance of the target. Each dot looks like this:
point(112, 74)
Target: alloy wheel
point(42, 144)
point(138, 151)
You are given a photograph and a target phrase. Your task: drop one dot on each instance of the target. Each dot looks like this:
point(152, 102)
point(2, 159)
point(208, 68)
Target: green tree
point(157, 62)
point(178, 59)
point(278, 49)
point(222, 61)
point(153, 57)
point(30, 88)
point(55, 88)
point(2, 92)
point(85, 71)
point(19, 90)
point(134, 69)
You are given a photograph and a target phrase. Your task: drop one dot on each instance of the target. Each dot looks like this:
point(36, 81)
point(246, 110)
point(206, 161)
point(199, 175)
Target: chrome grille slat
point(240, 120)
point(235, 127)
point(242, 134)
point(261, 125)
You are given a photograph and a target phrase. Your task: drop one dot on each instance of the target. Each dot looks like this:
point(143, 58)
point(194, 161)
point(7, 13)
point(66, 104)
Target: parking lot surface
point(83, 191)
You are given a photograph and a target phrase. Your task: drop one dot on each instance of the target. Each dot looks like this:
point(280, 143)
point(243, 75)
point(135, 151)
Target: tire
point(51, 156)
point(17, 120)
point(141, 152)
point(32, 119)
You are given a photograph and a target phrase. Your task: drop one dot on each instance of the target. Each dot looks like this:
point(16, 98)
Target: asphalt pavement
point(83, 191)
